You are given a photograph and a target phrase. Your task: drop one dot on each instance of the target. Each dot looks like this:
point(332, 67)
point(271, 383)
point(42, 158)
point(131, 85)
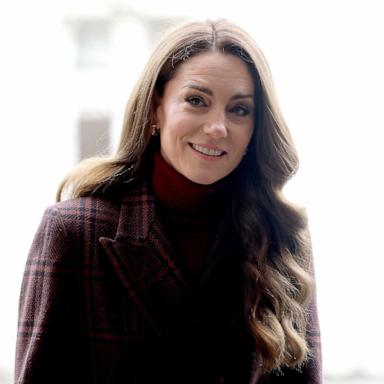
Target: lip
point(209, 147)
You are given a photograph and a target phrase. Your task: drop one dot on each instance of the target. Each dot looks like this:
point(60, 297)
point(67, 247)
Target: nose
point(215, 127)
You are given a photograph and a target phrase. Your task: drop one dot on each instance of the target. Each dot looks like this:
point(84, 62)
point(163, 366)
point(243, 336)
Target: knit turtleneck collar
point(180, 196)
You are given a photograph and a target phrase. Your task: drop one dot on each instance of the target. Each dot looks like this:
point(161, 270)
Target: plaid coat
point(103, 301)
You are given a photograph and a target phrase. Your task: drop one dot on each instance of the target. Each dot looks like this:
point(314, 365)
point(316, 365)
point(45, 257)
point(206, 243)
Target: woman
point(178, 260)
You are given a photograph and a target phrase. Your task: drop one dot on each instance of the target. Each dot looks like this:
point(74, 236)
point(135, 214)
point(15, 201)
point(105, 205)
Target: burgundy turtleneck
point(191, 213)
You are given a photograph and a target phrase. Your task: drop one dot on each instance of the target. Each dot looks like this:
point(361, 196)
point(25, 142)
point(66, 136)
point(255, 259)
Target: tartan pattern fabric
point(103, 301)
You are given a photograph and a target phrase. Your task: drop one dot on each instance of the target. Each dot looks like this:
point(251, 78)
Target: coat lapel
point(141, 255)
point(142, 258)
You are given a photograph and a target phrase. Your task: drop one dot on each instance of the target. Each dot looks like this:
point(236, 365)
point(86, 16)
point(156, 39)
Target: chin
point(204, 179)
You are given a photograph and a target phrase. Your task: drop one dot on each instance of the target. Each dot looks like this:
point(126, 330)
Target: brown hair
point(272, 231)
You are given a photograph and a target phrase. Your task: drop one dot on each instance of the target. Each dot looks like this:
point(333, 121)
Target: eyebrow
point(210, 93)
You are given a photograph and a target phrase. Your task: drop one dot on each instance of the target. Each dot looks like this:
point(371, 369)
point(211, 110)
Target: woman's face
point(206, 116)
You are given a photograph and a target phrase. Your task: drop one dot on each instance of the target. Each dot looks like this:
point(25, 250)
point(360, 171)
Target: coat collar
point(141, 255)
point(142, 258)
point(140, 226)
point(137, 214)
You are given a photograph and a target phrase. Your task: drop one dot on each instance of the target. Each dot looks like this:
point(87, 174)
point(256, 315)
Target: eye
point(196, 101)
point(240, 110)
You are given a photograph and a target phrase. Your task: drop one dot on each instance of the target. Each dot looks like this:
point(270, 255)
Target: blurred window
point(94, 136)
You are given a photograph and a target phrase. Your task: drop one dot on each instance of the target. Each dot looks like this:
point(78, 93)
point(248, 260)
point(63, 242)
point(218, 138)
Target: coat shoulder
point(87, 204)
point(76, 217)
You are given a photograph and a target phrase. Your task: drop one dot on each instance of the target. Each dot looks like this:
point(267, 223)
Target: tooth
point(207, 151)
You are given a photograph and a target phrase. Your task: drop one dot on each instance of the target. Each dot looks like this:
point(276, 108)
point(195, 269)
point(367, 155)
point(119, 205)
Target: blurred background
point(66, 71)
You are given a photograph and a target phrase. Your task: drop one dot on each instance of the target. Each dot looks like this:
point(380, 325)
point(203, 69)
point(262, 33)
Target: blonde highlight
point(273, 233)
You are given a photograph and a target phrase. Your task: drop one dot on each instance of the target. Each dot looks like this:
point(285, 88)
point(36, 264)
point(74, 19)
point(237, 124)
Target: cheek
point(166, 149)
point(171, 138)
point(245, 138)
point(175, 127)
point(171, 133)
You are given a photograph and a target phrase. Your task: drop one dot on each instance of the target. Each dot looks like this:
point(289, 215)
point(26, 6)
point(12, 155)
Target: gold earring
point(155, 130)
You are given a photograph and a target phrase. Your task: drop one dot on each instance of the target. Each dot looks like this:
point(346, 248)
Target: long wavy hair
point(273, 235)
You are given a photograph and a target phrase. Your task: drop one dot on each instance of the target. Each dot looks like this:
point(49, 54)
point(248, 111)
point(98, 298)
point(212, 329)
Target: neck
point(179, 195)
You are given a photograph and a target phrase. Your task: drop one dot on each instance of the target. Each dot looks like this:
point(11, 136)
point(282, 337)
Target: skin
point(207, 106)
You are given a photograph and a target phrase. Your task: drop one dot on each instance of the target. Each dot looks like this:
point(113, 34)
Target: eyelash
point(198, 98)
point(244, 111)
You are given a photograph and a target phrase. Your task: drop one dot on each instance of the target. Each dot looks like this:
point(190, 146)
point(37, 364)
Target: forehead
point(216, 68)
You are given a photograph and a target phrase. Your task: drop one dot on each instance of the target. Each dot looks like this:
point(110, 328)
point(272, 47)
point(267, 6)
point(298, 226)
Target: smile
point(207, 151)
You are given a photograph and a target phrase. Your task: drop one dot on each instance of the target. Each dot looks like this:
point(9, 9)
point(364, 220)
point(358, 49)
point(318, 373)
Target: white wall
point(37, 142)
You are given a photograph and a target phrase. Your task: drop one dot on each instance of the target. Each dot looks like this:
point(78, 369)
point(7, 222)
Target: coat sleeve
point(47, 349)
